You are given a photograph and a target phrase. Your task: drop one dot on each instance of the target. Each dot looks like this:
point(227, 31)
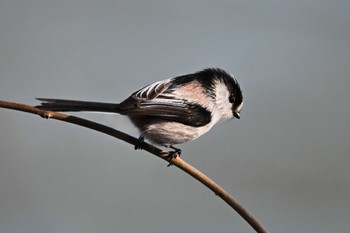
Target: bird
point(172, 111)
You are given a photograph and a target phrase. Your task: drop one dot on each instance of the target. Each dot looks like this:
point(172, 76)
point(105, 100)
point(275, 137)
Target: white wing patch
point(153, 90)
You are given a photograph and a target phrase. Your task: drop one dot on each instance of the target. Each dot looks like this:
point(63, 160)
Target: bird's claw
point(176, 150)
point(173, 154)
point(138, 146)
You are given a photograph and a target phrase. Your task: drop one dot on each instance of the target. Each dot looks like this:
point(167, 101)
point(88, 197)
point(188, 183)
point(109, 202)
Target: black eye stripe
point(231, 98)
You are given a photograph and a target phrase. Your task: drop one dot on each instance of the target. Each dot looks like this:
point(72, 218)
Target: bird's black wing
point(160, 100)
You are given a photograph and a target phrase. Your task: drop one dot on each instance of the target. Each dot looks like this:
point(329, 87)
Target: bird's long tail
point(63, 105)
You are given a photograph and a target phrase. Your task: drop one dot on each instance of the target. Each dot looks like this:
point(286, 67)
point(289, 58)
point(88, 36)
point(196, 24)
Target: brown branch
point(178, 162)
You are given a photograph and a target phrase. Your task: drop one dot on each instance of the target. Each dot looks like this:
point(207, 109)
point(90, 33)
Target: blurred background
point(286, 160)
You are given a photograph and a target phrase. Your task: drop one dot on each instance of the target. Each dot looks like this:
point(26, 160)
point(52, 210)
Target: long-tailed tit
point(172, 111)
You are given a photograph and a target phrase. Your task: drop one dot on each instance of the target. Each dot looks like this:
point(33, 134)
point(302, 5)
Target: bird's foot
point(173, 154)
point(139, 144)
point(177, 151)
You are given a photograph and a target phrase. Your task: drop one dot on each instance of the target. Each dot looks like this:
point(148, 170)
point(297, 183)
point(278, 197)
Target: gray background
point(286, 160)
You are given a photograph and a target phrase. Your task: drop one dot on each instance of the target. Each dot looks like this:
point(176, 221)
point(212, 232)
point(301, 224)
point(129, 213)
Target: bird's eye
point(231, 98)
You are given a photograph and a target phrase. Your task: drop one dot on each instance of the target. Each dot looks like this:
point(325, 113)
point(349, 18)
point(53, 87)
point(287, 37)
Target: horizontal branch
point(178, 162)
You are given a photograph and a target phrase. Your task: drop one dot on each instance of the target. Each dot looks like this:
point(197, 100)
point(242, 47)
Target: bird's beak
point(236, 115)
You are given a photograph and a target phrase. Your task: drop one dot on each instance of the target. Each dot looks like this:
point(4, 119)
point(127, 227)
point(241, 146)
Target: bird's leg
point(141, 141)
point(176, 152)
point(173, 154)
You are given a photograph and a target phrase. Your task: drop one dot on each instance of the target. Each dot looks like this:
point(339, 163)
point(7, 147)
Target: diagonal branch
point(178, 162)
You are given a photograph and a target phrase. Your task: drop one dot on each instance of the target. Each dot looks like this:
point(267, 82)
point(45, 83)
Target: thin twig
point(178, 162)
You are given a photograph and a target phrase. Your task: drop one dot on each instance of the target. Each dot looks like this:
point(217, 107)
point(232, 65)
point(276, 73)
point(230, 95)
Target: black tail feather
point(63, 105)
